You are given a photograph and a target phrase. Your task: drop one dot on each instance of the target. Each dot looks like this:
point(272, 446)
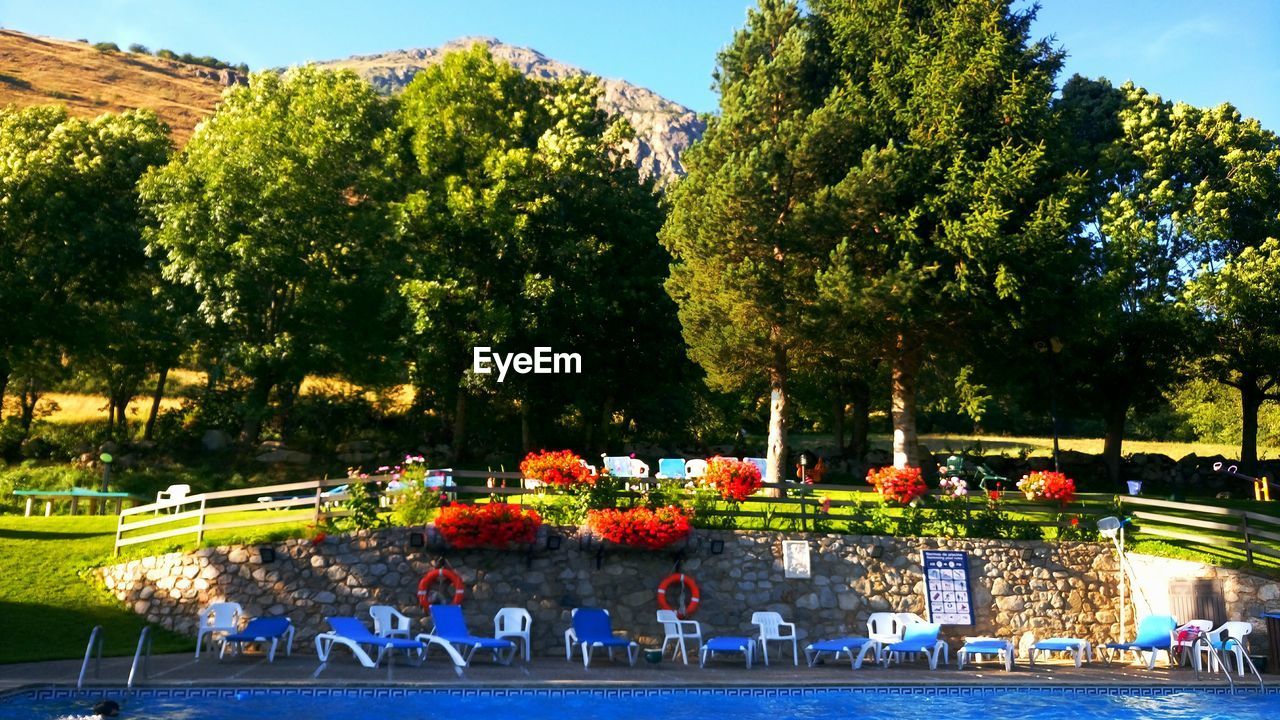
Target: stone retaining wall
point(1020, 588)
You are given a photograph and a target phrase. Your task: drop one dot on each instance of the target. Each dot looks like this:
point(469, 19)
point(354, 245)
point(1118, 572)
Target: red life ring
point(694, 593)
point(430, 579)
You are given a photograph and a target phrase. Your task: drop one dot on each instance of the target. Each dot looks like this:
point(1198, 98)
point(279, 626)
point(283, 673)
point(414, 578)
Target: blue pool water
point(674, 704)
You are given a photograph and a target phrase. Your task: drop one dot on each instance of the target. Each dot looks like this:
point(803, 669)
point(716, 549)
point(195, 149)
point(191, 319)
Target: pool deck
point(303, 670)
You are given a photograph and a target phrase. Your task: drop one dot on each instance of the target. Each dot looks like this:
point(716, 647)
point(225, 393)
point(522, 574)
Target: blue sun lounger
point(918, 638)
point(857, 648)
point(975, 648)
point(261, 630)
point(1080, 650)
point(743, 645)
point(350, 633)
point(451, 633)
point(592, 628)
point(1155, 635)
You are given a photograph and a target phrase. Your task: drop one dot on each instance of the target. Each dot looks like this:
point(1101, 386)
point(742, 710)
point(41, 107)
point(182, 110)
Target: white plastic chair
point(215, 618)
point(514, 624)
point(389, 622)
point(884, 627)
point(677, 631)
point(1184, 648)
point(1229, 638)
point(639, 468)
point(695, 468)
point(173, 496)
point(772, 628)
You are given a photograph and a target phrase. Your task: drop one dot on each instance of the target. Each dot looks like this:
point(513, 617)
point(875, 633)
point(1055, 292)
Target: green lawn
point(47, 609)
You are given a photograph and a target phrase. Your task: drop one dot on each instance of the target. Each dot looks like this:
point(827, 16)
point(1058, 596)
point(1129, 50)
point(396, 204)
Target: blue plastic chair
point(592, 628)
point(261, 630)
point(671, 469)
point(857, 648)
point(350, 633)
point(451, 632)
point(1155, 634)
point(618, 466)
point(919, 638)
point(761, 463)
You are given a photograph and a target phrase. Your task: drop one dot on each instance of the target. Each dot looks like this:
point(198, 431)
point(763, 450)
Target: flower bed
point(735, 480)
point(560, 468)
point(900, 485)
point(1048, 485)
point(495, 525)
point(640, 527)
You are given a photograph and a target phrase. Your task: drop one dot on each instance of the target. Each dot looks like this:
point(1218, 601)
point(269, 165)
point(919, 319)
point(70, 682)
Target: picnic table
point(93, 496)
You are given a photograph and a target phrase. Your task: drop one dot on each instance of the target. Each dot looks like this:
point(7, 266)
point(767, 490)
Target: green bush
point(106, 47)
point(416, 504)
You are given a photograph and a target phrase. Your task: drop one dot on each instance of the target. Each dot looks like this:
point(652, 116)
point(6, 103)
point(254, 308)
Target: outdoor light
point(1113, 528)
point(717, 547)
point(553, 542)
point(266, 555)
point(417, 539)
point(106, 469)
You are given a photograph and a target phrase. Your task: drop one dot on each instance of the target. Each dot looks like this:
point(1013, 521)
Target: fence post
point(1248, 547)
point(318, 493)
point(200, 527)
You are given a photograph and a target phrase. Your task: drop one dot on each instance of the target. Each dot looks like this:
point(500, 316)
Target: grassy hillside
point(42, 71)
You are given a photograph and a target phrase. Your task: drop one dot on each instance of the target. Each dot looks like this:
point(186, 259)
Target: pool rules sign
point(946, 587)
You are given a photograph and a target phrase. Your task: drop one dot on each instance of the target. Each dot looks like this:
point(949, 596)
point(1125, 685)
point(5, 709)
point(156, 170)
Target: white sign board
point(946, 587)
point(795, 559)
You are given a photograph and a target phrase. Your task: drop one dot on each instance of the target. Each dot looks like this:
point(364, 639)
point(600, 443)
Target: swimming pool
point(882, 703)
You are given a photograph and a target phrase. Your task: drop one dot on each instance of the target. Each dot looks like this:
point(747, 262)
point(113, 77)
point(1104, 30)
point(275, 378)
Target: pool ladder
point(1217, 658)
point(141, 657)
point(95, 641)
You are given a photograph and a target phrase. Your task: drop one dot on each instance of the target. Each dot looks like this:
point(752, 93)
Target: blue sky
point(1199, 51)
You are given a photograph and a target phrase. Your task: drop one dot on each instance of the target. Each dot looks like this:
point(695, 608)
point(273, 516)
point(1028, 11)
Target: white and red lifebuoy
point(431, 578)
point(686, 582)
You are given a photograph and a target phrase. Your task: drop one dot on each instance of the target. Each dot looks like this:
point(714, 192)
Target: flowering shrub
point(735, 480)
point(900, 485)
point(640, 527)
point(561, 468)
point(495, 525)
point(1048, 485)
point(954, 486)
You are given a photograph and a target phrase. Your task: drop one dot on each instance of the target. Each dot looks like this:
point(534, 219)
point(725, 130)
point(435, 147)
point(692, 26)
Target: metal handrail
point(141, 660)
point(1218, 657)
point(95, 640)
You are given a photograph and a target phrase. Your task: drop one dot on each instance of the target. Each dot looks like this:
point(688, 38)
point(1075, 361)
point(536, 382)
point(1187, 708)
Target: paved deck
point(302, 669)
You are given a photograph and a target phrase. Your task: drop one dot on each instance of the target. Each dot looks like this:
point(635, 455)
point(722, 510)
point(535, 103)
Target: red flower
point(900, 485)
point(556, 467)
point(495, 525)
point(1075, 521)
point(640, 527)
point(736, 480)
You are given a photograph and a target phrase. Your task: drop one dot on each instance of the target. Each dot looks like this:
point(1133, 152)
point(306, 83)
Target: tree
point(1242, 314)
point(744, 263)
point(523, 227)
point(951, 207)
point(70, 242)
point(274, 215)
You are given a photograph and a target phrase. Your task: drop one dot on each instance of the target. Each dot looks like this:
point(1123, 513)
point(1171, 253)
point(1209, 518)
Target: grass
point(47, 604)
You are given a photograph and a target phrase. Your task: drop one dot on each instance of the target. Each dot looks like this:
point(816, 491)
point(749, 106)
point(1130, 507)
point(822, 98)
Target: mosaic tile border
point(164, 693)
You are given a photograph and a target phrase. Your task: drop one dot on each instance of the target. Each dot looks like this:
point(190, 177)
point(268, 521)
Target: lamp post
point(1113, 528)
point(1053, 347)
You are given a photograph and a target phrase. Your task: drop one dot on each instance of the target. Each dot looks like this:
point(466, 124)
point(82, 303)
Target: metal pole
point(1123, 576)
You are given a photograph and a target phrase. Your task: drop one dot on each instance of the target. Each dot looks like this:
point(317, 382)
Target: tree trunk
point(149, 429)
point(4, 383)
point(776, 460)
point(459, 427)
point(837, 423)
point(255, 410)
point(526, 435)
point(861, 419)
point(287, 392)
point(1250, 400)
point(1115, 420)
point(906, 368)
point(29, 398)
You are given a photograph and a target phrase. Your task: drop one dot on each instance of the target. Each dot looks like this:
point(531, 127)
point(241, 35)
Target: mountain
point(664, 129)
point(40, 70)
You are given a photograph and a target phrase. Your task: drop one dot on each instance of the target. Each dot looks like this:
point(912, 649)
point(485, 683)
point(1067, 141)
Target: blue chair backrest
point(591, 624)
point(671, 468)
point(349, 627)
point(266, 626)
point(1155, 629)
point(449, 621)
point(916, 632)
point(760, 463)
point(618, 466)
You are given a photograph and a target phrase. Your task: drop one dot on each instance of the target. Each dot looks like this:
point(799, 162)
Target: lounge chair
point(857, 648)
point(389, 622)
point(671, 469)
point(975, 647)
point(1155, 634)
point(678, 631)
point(217, 618)
point(918, 638)
point(451, 633)
point(1228, 639)
point(592, 628)
point(773, 629)
point(744, 645)
point(1080, 650)
point(350, 633)
point(261, 630)
point(514, 624)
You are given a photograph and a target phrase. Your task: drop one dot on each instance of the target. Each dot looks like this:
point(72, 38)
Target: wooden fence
point(1257, 535)
point(312, 501)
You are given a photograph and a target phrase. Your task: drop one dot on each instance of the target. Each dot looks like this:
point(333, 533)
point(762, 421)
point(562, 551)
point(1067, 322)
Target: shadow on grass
point(34, 632)
point(37, 534)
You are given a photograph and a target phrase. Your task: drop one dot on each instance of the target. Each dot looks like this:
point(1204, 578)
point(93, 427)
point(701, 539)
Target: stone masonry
point(1020, 588)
